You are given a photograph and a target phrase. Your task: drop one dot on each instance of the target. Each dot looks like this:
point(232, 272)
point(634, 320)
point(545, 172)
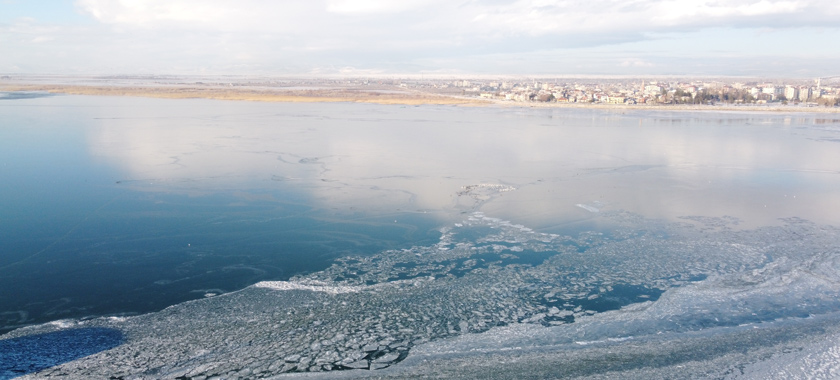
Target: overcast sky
point(790, 38)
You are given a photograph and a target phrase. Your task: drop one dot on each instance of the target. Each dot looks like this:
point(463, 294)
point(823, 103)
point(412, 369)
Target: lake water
point(419, 234)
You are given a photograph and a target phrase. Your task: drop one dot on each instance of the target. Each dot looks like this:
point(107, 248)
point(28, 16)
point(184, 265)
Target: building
point(768, 90)
point(791, 93)
point(804, 94)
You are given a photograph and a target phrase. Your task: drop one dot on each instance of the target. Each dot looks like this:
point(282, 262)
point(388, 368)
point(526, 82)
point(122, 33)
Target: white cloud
point(469, 17)
point(702, 11)
point(138, 12)
point(41, 39)
point(415, 35)
point(538, 17)
point(374, 6)
point(215, 15)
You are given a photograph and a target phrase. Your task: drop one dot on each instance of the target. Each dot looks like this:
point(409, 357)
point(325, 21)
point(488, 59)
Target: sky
point(756, 38)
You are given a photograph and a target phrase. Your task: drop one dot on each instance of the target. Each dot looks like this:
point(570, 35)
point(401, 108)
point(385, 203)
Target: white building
point(804, 94)
point(791, 93)
point(653, 90)
point(773, 91)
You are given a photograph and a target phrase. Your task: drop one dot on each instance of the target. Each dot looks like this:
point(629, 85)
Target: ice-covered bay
point(495, 299)
point(417, 242)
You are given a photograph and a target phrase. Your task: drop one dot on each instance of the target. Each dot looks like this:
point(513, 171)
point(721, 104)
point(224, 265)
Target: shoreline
point(250, 94)
point(679, 107)
point(384, 97)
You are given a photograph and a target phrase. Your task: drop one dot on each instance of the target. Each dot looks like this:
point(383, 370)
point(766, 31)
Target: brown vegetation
point(220, 93)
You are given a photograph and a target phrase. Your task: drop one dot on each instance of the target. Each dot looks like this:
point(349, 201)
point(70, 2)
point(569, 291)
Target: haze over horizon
point(770, 38)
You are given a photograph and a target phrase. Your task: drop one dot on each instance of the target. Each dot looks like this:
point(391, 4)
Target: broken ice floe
point(591, 207)
point(312, 286)
point(489, 285)
point(485, 189)
point(479, 193)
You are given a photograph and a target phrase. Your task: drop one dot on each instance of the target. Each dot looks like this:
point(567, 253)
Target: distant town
point(639, 91)
point(789, 94)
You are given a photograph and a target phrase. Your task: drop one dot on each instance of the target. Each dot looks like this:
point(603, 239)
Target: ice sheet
point(647, 299)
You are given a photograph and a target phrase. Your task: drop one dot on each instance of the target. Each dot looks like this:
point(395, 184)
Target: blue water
point(81, 237)
point(32, 353)
point(117, 206)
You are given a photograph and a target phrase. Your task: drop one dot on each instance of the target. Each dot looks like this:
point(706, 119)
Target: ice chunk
point(588, 207)
point(312, 286)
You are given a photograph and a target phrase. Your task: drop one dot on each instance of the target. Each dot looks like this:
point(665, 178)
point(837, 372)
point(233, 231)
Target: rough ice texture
point(817, 360)
point(314, 286)
point(494, 299)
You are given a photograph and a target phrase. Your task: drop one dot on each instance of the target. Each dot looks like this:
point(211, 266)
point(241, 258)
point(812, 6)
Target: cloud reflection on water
point(387, 158)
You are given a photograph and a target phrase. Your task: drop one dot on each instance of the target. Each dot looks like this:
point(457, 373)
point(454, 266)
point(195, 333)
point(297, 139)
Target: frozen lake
point(392, 241)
